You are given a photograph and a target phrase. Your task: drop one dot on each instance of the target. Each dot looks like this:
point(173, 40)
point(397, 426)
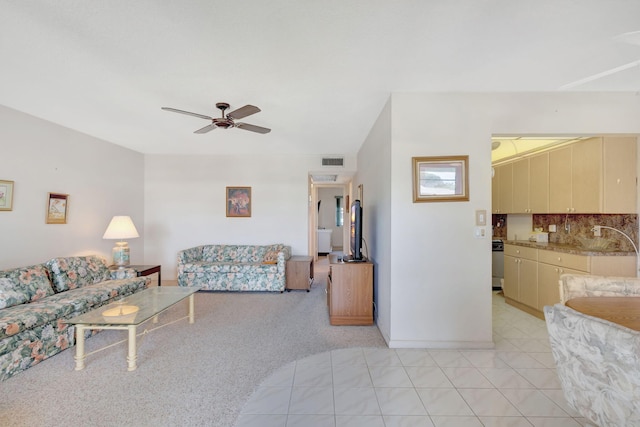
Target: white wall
point(439, 274)
point(375, 176)
point(185, 203)
point(102, 180)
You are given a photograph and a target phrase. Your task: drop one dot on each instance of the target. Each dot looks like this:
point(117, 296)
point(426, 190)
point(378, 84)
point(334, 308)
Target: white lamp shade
point(121, 227)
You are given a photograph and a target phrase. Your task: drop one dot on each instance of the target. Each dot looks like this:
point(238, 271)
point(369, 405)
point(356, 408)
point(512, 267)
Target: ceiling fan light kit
point(228, 121)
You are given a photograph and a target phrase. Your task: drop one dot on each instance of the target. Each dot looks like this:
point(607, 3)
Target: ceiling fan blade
point(242, 112)
point(206, 129)
point(174, 110)
point(252, 128)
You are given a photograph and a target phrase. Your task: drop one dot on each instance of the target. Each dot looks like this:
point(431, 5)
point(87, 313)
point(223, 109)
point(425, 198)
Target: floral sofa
point(234, 267)
point(36, 300)
point(598, 362)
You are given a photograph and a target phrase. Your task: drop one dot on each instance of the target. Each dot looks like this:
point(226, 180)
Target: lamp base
point(120, 253)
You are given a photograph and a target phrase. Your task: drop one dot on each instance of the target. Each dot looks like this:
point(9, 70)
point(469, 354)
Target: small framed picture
point(441, 179)
point(6, 195)
point(57, 208)
point(239, 202)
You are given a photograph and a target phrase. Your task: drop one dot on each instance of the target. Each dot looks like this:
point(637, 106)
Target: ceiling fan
point(228, 121)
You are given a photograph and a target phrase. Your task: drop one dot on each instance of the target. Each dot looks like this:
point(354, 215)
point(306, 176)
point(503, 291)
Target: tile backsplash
point(579, 226)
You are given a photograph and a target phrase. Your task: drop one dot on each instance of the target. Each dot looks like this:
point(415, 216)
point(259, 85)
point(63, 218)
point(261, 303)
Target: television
point(356, 232)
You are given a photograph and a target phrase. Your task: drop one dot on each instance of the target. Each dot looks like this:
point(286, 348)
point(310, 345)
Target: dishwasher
point(497, 264)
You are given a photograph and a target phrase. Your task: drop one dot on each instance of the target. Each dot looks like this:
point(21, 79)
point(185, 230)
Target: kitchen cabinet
point(521, 274)
point(539, 183)
point(531, 275)
point(586, 176)
point(620, 190)
point(531, 184)
point(597, 175)
point(560, 180)
point(551, 265)
point(350, 293)
point(502, 185)
point(521, 181)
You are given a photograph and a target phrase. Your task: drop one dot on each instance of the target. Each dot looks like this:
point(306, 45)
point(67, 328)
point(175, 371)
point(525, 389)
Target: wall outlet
point(596, 231)
point(552, 228)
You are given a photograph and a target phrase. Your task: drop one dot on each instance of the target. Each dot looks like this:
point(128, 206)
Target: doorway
point(328, 218)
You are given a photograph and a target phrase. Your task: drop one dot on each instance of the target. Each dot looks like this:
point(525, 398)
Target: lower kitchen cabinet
point(548, 283)
point(520, 274)
point(531, 276)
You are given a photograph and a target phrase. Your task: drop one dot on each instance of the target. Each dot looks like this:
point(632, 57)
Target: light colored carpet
point(188, 375)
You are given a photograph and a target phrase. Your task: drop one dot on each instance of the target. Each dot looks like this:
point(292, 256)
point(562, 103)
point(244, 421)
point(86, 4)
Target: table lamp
point(121, 227)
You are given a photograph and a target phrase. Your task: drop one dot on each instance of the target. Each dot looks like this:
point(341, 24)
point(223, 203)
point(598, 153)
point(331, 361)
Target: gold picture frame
point(238, 202)
point(6, 195)
point(57, 208)
point(440, 179)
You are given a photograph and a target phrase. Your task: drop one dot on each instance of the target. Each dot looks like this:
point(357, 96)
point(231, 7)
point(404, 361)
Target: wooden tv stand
point(350, 292)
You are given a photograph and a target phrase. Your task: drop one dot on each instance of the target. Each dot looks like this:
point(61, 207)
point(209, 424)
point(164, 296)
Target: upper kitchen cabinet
point(560, 180)
point(620, 187)
point(502, 189)
point(597, 175)
point(531, 184)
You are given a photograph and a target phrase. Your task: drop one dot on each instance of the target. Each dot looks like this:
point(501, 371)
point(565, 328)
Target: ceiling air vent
point(333, 161)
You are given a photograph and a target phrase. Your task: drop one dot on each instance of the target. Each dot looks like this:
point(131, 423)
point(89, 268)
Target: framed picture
point(441, 179)
point(6, 195)
point(57, 208)
point(239, 202)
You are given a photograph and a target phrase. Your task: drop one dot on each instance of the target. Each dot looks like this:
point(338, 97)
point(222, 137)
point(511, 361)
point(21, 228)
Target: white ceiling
point(320, 71)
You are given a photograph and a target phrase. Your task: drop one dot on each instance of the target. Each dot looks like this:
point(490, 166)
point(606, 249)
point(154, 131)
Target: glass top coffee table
point(127, 314)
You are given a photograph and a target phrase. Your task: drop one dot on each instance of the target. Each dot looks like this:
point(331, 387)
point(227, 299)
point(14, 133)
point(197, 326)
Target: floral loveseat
point(598, 362)
point(36, 300)
point(234, 267)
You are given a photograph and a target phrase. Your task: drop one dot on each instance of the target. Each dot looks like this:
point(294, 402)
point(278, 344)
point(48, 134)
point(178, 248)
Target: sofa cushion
point(76, 272)
point(214, 253)
point(18, 318)
point(24, 284)
point(10, 294)
point(65, 305)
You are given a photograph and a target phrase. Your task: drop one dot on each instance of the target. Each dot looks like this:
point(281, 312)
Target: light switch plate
point(481, 217)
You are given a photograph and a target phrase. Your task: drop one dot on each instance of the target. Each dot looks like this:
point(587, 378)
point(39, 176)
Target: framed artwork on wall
point(441, 179)
point(57, 208)
point(6, 195)
point(238, 202)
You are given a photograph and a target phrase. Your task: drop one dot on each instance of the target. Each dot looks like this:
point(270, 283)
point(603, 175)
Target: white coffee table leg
point(132, 356)
point(191, 311)
point(79, 347)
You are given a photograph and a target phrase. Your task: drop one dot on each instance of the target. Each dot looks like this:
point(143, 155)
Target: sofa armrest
point(123, 273)
point(577, 285)
point(190, 255)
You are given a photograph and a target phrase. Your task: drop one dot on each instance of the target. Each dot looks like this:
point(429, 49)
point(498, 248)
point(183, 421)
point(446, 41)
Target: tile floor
point(513, 385)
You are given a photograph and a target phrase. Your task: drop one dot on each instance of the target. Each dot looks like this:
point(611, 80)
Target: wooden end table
point(299, 273)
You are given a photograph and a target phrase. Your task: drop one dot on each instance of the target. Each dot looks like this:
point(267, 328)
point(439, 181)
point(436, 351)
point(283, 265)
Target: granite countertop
point(568, 249)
